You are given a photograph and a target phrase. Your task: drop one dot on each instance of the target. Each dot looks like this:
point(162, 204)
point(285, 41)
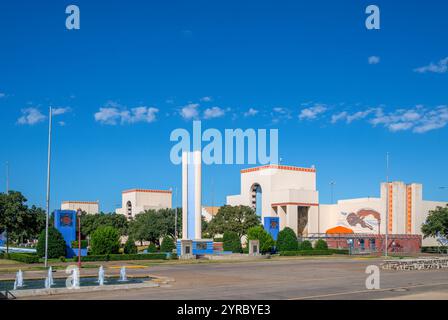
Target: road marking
point(367, 291)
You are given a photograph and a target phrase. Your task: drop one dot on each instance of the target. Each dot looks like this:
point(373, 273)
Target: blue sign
point(272, 226)
point(65, 222)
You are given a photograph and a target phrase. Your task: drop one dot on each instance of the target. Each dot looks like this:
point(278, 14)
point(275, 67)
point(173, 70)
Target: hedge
point(434, 249)
point(21, 257)
point(307, 253)
point(117, 257)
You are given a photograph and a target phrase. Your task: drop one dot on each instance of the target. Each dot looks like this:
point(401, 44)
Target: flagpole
point(48, 189)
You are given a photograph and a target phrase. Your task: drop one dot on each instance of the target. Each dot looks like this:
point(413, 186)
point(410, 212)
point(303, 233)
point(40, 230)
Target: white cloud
point(190, 111)
point(113, 115)
point(206, 99)
point(418, 119)
point(59, 111)
point(373, 60)
point(61, 123)
point(439, 67)
point(312, 112)
point(214, 112)
point(2, 95)
point(339, 116)
point(251, 112)
point(31, 116)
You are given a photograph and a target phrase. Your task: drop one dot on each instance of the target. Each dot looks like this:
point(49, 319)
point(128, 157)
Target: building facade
point(289, 194)
point(90, 207)
point(136, 201)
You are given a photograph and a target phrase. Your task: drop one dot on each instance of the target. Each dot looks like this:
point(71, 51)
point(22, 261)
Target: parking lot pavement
point(314, 278)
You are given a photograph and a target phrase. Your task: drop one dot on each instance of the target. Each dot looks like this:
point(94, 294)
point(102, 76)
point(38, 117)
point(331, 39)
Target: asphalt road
point(311, 278)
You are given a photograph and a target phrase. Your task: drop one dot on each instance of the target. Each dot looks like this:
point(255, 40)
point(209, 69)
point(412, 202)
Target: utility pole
point(48, 188)
point(387, 204)
point(175, 219)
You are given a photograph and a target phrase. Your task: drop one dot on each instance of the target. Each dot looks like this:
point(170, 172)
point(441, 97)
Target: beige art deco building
point(138, 200)
point(290, 194)
point(90, 207)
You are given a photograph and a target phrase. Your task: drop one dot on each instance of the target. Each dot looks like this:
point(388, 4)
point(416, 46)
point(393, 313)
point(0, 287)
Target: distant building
point(90, 207)
point(209, 212)
point(138, 200)
point(288, 196)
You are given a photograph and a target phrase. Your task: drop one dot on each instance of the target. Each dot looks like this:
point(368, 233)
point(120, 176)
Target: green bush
point(56, 244)
point(218, 239)
point(265, 239)
point(174, 256)
point(340, 251)
point(130, 247)
point(232, 242)
point(22, 257)
point(152, 248)
point(287, 240)
point(307, 253)
point(305, 245)
point(321, 245)
point(105, 240)
point(84, 244)
point(167, 245)
point(120, 257)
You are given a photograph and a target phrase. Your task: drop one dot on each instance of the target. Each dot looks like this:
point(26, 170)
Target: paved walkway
point(312, 278)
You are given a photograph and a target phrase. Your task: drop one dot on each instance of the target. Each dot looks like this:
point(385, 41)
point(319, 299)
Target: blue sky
point(341, 95)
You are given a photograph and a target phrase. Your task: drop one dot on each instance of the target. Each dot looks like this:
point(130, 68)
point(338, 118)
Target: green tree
point(305, 245)
point(152, 248)
point(91, 222)
point(265, 239)
point(167, 245)
point(56, 244)
point(105, 240)
point(232, 242)
point(287, 240)
point(13, 215)
point(321, 245)
point(151, 225)
point(436, 223)
point(233, 218)
point(129, 246)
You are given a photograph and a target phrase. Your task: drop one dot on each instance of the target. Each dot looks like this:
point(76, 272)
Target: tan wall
point(87, 206)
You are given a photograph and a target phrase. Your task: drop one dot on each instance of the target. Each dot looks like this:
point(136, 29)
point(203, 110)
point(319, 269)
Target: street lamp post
point(78, 213)
point(48, 187)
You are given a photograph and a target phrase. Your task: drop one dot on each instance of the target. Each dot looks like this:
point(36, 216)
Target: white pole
point(48, 189)
point(387, 203)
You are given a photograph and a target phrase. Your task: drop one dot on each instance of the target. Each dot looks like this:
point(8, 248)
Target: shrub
point(84, 244)
point(307, 253)
point(105, 240)
point(167, 245)
point(287, 240)
point(56, 244)
point(118, 257)
point(22, 257)
point(152, 248)
point(218, 239)
point(305, 245)
point(129, 246)
point(265, 239)
point(321, 245)
point(62, 259)
point(232, 242)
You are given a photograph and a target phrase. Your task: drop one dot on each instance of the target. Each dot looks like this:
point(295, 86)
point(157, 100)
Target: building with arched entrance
point(287, 196)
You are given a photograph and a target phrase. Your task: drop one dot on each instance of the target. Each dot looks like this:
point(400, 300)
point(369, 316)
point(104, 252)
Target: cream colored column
point(184, 195)
point(198, 193)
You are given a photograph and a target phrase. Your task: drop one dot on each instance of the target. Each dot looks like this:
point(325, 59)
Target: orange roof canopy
point(339, 229)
